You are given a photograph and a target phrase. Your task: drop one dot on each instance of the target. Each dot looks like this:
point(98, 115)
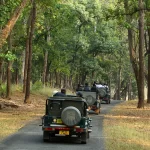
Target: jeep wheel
point(102, 91)
point(108, 102)
point(71, 116)
point(84, 137)
point(88, 135)
point(45, 136)
point(90, 100)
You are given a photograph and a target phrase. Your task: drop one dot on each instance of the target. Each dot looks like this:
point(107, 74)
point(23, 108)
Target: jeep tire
point(45, 136)
point(71, 116)
point(84, 137)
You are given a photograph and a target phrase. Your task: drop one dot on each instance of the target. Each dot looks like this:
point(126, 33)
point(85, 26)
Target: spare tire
point(71, 116)
point(102, 91)
point(90, 100)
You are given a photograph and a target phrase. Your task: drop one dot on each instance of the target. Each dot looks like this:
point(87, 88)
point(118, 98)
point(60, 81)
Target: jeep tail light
point(79, 130)
point(49, 129)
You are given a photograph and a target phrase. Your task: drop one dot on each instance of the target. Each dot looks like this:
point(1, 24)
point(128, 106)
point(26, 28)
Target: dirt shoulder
point(14, 114)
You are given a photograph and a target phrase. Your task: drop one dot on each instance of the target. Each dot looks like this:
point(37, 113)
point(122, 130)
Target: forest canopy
point(60, 43)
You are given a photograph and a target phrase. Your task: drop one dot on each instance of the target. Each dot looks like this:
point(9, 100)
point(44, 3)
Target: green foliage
point(2, 89)
point(85, 39)
point(6, 10)
point(8, 56)
point(37, 85)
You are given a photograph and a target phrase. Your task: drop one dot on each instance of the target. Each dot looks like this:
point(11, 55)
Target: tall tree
point(10, 24)
point(141, 54)
point(32, 26)
point(9, 69)
point(148, 49)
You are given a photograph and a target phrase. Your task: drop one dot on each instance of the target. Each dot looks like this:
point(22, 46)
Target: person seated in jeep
point(79, 94)
point(93, 88)
point(62, 93)
point(79, 87)
point(86, 87)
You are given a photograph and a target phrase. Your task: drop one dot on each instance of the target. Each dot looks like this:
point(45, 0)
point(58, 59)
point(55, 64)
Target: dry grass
point(12, 119)
point(128, 128)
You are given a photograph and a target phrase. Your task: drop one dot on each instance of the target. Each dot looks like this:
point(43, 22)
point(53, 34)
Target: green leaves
point(8, 56)
point(6, 9)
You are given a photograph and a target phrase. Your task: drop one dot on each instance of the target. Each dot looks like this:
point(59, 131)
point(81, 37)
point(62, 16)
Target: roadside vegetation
point(128, 128)
point(14, 114)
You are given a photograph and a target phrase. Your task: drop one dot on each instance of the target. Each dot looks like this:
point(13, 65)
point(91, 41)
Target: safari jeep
point(92, 100)
point(104, 94)
point(66, 116)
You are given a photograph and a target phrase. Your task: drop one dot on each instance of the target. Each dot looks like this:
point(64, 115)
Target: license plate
point(59, 121)
point(64, 132)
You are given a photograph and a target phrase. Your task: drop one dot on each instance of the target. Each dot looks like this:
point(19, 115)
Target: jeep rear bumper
point(57, 128)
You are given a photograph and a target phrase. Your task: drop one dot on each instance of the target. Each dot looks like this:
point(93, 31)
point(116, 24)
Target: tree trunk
point(45, 67)
point(45, 61)
point(141, 55)
point(47, 78)
point(10, 24)
point(23, 69)
point(1, 63)
point(129, 90)
point(27, 52)
point(60, 80)
point(27, 94)
point(119, 83)
point(8, 92)
point(148, 98)
point(56, 79)
point(132, 52)
point(16, 76)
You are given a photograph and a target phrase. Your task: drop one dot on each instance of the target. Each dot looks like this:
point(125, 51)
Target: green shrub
point(37, 85)
point(2, 90)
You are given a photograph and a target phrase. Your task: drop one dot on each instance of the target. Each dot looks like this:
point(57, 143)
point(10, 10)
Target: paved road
point(30, 136)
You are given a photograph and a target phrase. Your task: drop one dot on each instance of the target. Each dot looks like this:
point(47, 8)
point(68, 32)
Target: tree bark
point(27, 93)
point(10, 24)
point(133, 57)
point(119, 83)
point(27, 51)
point(148, 98)
point(8, 92)
point(45, 61)
point(45, 67)
point(141, 55)
point(129, 90)
point(1, 64)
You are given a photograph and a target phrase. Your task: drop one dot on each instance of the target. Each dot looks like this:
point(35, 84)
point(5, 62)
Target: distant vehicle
point(92, 100)
point(104, 94)
point(106, 98)
point(66, 116)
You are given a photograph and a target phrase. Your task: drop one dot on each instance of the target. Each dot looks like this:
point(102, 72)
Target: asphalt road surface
point(30, 136)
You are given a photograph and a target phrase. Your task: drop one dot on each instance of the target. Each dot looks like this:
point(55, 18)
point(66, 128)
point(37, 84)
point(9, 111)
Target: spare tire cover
point(71, 116)
point(90, 100)
point(102, 91)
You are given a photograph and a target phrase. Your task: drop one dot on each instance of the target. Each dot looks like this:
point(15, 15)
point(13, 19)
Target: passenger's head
point(86, 84)
point(79, 84)
point(94, 85)
point(79, 94)
point(94, 82)
point(63, 90)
